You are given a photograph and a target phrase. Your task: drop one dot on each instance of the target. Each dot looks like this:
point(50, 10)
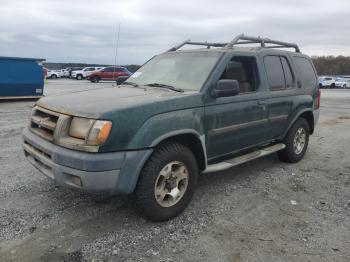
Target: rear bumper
point(114, 173)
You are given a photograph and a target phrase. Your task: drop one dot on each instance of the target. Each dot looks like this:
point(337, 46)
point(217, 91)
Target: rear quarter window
point(274, 71)
point(307, 75)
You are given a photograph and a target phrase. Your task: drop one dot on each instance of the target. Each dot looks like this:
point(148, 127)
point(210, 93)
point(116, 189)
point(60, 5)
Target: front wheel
point(79, 77)
point(167, 182)
point(296, 142)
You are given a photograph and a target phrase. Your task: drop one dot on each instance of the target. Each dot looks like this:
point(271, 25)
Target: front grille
point(43, 123)
point(30, 149)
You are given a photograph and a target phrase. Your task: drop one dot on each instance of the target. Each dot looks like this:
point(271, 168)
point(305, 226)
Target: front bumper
point(114, 173)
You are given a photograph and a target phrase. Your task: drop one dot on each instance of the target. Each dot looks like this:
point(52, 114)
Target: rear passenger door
point(282, 86)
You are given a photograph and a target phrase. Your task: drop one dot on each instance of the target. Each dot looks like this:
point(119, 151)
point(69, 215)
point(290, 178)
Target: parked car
point(83, 73)
point(342, 82)
point(54, 74)
point(65, 72)
point(108, 73)
point(326, 82)
point(182, 113)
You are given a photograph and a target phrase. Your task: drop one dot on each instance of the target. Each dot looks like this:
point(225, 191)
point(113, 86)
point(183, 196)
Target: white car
point(326, 82)
point(80, 74)
point(54, 74)
point(342, 82)
point(65, 72)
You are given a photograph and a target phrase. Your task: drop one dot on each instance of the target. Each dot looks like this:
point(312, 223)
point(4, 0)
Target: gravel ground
point(264, 210)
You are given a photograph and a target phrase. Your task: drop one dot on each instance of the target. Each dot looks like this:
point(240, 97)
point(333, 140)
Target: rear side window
point(274, 70)
point(109, 69)
point(287, 72)
point(307, 74)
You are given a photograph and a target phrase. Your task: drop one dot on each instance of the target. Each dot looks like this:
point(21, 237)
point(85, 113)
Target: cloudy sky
point(85, 31)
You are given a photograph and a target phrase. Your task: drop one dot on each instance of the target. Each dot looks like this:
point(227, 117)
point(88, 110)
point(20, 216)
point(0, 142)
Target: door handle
point(262, 104)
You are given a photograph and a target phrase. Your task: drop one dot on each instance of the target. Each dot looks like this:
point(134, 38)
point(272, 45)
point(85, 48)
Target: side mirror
point(121, 79)
point(225, 88)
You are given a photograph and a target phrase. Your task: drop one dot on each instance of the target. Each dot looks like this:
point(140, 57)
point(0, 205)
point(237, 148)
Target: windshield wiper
point(134, 85)
point(166, 86)
point(130, 83)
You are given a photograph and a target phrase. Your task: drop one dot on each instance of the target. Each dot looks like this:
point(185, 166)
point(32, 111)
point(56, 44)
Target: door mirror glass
point(225, 88)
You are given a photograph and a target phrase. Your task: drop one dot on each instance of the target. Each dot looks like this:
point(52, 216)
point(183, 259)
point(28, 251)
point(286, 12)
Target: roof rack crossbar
point(238, 41)
point(189, 42)
point(262, 41)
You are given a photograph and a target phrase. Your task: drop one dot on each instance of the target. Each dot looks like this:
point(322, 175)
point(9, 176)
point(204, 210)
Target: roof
point(22, 58)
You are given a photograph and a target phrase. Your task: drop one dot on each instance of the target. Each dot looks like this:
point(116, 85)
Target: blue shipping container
point(21, 77)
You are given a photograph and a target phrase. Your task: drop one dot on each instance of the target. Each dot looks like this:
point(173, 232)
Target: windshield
point(187, 71)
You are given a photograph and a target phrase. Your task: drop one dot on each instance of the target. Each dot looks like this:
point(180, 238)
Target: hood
point(96, 102)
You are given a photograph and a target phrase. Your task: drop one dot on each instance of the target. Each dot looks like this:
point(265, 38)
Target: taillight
point(318, 99)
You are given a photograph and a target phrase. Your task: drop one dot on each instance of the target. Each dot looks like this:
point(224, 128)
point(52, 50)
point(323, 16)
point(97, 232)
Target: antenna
point(116, 49)
point(116, 45)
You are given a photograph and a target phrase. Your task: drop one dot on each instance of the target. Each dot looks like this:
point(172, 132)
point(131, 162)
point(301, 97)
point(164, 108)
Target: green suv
point(183, 113)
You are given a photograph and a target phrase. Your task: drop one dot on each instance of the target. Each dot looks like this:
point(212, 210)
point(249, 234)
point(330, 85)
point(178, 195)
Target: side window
point(306, 71)
point(274, 71)
point(245, 71)
point(108, 69)
point(287, 73)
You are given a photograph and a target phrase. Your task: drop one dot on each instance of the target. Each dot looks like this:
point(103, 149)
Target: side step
point(244, 158)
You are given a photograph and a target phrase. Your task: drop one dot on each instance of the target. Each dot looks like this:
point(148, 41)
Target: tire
point(95, 79)
point(160, 169)
point(344, 86)
point(79, 77)
point(292, 153)
point(53, 76)
point(332, 85)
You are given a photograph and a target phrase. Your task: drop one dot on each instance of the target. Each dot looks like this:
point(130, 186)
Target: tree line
point(332, 65)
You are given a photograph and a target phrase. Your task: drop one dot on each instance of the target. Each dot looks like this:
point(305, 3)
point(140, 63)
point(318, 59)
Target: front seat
point(235, 70)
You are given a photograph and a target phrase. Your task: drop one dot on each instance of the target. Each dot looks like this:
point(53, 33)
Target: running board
point(244, 158)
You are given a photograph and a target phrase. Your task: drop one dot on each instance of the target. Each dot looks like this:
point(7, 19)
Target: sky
point(86, 31)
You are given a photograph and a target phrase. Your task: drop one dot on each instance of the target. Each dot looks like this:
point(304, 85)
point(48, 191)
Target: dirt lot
point(261, 211)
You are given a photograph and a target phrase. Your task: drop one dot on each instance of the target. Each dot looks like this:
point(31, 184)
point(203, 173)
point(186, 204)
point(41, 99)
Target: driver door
point(237, 122)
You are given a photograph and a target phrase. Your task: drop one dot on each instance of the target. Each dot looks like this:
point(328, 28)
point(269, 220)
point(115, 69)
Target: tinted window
point(109, 69)
point(306, 72)
point(287, 72)
point(274, 71)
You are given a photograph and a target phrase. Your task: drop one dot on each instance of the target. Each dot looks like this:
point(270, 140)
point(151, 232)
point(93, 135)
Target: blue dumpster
point(21, 77)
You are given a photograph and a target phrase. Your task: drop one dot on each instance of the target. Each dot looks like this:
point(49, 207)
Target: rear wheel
point(167, 182)
point(79, 77)
point(296, 142)
point(95, 79)
point(344, 86)
point(53, 76)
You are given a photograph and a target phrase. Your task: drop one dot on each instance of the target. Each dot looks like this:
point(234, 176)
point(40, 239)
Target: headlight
point(99, 132)
point(93, 132)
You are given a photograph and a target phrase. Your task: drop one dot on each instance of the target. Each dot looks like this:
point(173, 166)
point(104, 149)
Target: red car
point(108, 73)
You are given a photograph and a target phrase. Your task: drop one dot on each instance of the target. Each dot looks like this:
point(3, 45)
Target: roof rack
point(238, 41)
